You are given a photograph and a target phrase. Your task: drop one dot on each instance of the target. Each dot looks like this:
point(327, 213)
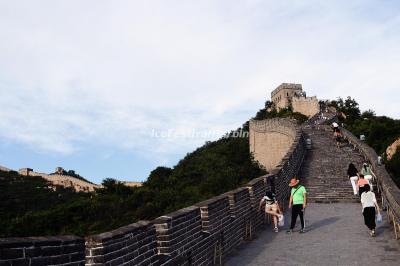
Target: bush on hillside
point(380, 131)
point(30, 207)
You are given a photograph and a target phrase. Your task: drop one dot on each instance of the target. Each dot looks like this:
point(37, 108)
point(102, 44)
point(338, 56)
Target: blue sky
point(116, 88)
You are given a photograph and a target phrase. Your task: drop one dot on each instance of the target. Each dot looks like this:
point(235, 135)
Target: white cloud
point(108, 72)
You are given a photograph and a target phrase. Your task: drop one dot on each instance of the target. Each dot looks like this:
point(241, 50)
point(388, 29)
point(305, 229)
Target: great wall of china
point(66, 180)
point(205, 233)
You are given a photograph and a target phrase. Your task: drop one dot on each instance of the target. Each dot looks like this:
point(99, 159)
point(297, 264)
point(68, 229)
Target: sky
point(117, 88)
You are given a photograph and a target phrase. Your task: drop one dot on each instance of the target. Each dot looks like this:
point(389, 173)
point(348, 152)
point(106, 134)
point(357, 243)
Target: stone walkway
point(336, 235)
point(324, 171)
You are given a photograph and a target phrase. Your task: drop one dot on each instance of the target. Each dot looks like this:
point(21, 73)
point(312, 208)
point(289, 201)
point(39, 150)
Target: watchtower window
point(287, 94)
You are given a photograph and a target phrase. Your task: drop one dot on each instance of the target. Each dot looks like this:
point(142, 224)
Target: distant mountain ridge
point(59, 178)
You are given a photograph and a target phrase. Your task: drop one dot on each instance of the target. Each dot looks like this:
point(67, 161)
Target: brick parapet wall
point(289, 167)
point(134, 244)
point(217, 220)
point(286, 86)
point(31, 251)
point(215, 214)
point(203, 234)
point(308, 106)
point(257, 188)
point(389, 190)
point(179, 231)
point(239, 202)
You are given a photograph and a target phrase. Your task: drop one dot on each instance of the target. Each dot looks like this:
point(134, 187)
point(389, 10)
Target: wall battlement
point(63, 250)
point(308, 106)
point(389, 191)
point(304, 99)
point(68, 181)
point(202, 234)
point(291, 86)
point(290, 94)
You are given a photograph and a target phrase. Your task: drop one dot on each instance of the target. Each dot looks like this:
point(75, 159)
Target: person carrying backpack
point(368, 174)
point(298, 203)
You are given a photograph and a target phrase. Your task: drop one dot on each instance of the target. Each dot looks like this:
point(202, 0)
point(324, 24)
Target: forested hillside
point(380, 131)
point(30, 206)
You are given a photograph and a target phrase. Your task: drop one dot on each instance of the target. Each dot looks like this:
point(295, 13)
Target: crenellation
point(65, 180)
point(292, 95)
point(257, 188)
point(203, 234)
point(42, 251)
point(134, 242)
point(389, 190)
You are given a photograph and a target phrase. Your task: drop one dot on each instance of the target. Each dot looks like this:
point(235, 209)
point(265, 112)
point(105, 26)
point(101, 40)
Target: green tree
point(159, 177)
point(113, 186)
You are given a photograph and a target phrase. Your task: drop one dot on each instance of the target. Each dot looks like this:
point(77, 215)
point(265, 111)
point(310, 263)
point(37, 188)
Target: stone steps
point(324, 173)
point(330, 200)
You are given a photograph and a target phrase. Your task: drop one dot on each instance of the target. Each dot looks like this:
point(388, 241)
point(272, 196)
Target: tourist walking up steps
point(334, 127)
point(298, 203)
point(361, 184)
point(370, 207)
point(272, 208)
point(338, 137)
point(353, 176)
point(368, 174)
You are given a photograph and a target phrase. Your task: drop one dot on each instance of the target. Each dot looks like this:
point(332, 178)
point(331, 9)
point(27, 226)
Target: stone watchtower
point(291, 94)
point(283, 94)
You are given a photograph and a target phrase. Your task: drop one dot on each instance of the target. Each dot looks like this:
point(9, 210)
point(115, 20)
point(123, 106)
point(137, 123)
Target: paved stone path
point(336, 235)
point(325, 169)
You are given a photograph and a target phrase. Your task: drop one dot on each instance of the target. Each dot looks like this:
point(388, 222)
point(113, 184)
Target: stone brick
point(129, 245)
point(11, 253)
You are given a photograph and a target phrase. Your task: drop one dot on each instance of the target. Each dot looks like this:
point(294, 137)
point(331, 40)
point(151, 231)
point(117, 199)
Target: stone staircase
point(325, 169)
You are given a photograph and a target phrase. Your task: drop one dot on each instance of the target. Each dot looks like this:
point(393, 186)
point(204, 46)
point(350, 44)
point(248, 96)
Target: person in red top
point(361, 183)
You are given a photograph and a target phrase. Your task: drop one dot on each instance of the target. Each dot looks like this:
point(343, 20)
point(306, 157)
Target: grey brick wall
point(389, 190)
point(178, 233)
point(239, 202)
point(216, 221)
point(134, 244)
point(257, 188)
point(64, 250)
point(203, 234)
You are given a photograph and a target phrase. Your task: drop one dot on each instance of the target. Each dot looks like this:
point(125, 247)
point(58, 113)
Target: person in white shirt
point(370, 206)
